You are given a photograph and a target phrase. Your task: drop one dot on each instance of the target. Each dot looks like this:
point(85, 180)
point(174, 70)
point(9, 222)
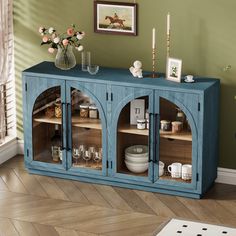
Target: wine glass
point(97, 158)
point(76, 155)
point(87, 156)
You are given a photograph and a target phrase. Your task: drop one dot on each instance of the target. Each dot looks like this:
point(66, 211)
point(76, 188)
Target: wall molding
point(8, 150)
point(14, 147)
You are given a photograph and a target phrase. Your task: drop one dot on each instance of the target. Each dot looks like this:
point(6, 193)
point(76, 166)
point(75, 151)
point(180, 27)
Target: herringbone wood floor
point(43, 206)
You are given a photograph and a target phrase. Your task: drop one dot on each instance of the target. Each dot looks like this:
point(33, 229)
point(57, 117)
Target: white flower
point(56, 40)
point(50, 30)
point(79, 36)
point(80, 48)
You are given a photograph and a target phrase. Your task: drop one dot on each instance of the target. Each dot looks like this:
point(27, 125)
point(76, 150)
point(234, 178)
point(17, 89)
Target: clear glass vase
point(65, 58)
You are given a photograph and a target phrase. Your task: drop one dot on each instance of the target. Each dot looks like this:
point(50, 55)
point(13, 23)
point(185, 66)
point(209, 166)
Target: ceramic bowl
point(136, 167)
point(137, 151)
point(136, 160)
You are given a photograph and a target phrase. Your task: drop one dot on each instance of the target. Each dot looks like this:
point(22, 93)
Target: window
point(7, 90)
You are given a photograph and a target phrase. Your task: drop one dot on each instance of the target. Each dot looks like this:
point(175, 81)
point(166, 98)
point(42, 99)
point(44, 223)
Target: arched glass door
point(175, 142)
point(47, 127)
point(133, 153)
point(86, 132)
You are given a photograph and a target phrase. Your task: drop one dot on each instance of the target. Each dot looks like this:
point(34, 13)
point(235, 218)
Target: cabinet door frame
point(117, 106)
point(98, 95)
point(34, 87)
point(193, 119)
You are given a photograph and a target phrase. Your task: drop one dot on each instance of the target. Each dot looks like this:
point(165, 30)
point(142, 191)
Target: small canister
point(93, 111)
point(165, 125)
point(58, 111)
point(147, 123)
point(84, 110)
point(141, 124)
point(177, 126)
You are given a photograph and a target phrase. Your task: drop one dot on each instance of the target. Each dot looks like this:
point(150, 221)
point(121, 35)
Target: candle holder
point(168, 45)
point(154, 74)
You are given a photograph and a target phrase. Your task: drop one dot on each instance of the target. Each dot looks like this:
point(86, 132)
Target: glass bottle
point(56, 144)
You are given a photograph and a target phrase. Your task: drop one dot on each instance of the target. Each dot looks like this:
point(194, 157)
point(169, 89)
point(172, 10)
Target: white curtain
point(6, 52)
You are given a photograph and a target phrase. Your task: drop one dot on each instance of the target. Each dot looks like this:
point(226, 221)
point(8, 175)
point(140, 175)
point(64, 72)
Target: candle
point(153, 38)
point(168, 23)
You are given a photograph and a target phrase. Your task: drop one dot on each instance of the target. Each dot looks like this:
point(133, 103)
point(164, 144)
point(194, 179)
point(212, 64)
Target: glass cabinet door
point(132, 140)
point(174, 137)
point(47, 127)
point(85, 133)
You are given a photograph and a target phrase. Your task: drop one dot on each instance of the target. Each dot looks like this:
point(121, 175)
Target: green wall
point(203, 35)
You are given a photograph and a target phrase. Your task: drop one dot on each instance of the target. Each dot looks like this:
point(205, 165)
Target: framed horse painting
point(115, 17)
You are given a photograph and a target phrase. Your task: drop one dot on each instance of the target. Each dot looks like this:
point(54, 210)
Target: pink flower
point(41, 29)
point(65, 42)
point(45, 39)
point(70, 31)
point(83, 33)
point(51, 50)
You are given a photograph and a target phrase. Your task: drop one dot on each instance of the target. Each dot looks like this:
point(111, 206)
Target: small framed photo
point(115, 17)
point(173, 69)
point(137, 107)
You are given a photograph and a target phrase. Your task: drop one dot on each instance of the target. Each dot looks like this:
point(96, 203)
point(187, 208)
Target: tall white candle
point(168, 23)
point(153, 38)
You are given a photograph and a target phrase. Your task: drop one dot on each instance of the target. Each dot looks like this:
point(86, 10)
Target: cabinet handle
point(149, 137)
point(67, 126)
point(62, 126)
point(156, 130)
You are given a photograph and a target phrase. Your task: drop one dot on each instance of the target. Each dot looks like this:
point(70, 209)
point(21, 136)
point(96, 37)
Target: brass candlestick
point(168, 45)
point(154, 74)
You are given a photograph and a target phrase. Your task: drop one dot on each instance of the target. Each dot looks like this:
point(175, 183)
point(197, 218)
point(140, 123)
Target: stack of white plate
point(136, 158)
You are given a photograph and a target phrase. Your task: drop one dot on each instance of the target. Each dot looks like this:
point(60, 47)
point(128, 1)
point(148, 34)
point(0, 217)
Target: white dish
point(136, 160)
point(136, 167)
point(189, 81)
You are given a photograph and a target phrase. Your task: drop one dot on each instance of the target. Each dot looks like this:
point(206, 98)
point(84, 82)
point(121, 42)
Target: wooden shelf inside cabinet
point(132, 129)
point(77, 121)
point(167, 177)
point(184, 136)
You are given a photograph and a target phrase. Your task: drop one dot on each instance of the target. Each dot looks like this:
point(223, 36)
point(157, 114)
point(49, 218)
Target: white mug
point(175, 169)
point(187, 172)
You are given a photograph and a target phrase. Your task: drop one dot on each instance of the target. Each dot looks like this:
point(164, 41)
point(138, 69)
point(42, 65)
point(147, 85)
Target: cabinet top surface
point(116, 77)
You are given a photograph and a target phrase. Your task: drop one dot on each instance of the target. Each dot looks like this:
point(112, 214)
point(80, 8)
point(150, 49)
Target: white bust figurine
point(136, 70)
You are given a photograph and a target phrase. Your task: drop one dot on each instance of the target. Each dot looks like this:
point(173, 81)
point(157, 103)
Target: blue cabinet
point(84, 127)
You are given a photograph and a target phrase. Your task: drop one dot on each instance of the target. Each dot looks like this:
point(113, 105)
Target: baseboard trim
point(8, 150)
point(224, 175)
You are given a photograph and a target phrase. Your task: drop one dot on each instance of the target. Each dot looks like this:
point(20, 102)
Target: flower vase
point(65, 58)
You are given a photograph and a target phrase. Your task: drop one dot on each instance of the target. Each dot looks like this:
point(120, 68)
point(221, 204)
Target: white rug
point(189, 228)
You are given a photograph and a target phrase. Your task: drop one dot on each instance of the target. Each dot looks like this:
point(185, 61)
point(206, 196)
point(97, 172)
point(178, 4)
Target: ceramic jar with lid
point(177, 126)
point(141, 124)
point(84, 110)
point(165, 125)
point(93, 111)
